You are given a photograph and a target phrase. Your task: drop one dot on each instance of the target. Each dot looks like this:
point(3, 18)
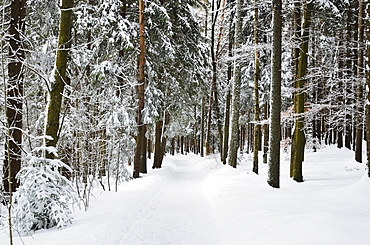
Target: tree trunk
point(228, 94)
point(275, 107)
point(14, 96)
point(297, 19)
point(234, 131)
point(158, 144)
point(143, 166)
point(349, 75)
point(213, 98)
point(60, 77)
point(257, 125)
point(140, 138)
point(265, 134)
point(299, 98)
point(202, 119)
point(360, 90)
point(367, 7)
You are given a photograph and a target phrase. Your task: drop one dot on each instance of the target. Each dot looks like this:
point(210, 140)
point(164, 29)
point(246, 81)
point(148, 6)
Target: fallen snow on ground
point(194, 200)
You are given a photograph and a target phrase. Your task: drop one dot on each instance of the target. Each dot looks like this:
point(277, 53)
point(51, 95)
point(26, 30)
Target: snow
point(194, 200)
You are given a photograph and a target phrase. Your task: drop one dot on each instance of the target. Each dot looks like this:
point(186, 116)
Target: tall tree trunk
point(213, 98)
point(299, 98)
point(360, 90)
point(234, 131)
point(297, 19)
point(60, 76)
point(228, 93)
point(257, 125)
point(274, 159)
point(14, 96)
point(140, 138)
point(340, 98)
point(349, 75)
point(367, 7)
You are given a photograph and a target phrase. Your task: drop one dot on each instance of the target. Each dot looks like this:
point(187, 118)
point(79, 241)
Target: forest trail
point(179, 213)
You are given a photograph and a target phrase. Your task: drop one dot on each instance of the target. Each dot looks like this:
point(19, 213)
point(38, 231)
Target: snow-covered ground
point(194, 200)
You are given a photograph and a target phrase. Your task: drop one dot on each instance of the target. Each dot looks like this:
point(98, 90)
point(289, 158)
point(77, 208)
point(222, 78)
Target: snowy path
point(179, 214)
point(199, 201)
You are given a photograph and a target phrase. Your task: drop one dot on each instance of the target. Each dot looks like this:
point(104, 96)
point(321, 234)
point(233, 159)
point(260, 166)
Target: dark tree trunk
point(265, 134)
point(367, 7)
point(158, 144)
point(360, 90)
point(140, 138)
point(297, 19)
point(257, 126)
point(275, 108)
point(14, 96)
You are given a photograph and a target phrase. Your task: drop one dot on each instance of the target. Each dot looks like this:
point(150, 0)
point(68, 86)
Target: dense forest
point(91, 86)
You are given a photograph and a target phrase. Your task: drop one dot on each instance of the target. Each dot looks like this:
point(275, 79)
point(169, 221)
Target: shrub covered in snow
point(44, 197)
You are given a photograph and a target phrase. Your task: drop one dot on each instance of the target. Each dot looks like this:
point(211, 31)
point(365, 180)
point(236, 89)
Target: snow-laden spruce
point(45, 196)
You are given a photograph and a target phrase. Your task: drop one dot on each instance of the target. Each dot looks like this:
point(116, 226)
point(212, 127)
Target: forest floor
point(195, 201)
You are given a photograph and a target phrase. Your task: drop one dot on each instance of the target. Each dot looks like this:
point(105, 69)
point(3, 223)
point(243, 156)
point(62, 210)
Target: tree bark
point(140, 138)
point(265, 134)
point(234, 131)
point(297, 19)
point(367, 7)
point(14, 96)
point(228, 94)
point(360, 90)
point(299, 98)
point(158, 144)
point(60, 76)
point(275, 107)
point(257, 125)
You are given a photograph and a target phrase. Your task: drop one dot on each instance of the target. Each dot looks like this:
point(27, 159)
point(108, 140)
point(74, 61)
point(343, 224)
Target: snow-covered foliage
point(45, 196)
